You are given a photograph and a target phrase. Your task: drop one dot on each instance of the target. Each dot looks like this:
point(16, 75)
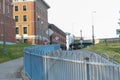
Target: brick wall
point(58, 36)
point(10, 23)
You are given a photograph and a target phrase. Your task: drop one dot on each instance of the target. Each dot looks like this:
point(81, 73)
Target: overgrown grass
point(110, 49)
point(13, 51)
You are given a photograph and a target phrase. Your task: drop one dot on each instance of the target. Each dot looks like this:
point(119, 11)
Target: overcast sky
point(75, 15)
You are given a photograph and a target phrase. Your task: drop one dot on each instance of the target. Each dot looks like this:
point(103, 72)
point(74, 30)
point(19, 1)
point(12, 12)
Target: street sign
point(45, 42)
point(81, 38)
point(49, 32)
point(81, 41)
point(56, 38)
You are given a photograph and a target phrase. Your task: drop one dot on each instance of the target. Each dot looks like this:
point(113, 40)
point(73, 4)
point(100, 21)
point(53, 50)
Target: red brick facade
point(10, 23)
point(58, 36)
point(42, 24)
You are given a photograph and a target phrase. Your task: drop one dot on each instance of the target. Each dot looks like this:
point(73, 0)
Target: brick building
point(31, 18)
point(9, 22)
point(58, 36)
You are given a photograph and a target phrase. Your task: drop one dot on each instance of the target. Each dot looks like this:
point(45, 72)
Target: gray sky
point(73, 15)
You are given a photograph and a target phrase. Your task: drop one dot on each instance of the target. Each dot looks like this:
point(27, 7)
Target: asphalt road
point(11, 70)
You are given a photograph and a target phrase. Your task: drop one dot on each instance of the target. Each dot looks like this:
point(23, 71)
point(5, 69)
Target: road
point(11, 70)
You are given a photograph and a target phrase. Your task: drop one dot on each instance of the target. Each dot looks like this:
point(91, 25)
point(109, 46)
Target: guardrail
point(50, 63)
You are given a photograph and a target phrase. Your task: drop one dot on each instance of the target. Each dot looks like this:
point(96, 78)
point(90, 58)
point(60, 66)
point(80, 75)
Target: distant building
point(31, 18)
point(89, 40)
point(9, 22)
point(105, 40)
point(58, 36)
point(77, 39)
point(69, 40)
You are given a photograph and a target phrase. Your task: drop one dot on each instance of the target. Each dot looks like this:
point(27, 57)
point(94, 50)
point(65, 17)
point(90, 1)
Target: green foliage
point(110, 49)
point(13, 51)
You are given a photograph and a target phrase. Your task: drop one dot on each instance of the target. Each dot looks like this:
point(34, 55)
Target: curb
point(23, 75)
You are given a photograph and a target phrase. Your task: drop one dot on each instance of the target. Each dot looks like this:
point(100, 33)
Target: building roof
point(43, 1)
point(53, 27)
point(45, 4)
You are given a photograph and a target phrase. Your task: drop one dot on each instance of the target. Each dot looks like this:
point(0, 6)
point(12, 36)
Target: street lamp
point(42, 30)
point(4, 29)
point(38, 31)
point(81, 38)
point(81, 33)
point(93, 39)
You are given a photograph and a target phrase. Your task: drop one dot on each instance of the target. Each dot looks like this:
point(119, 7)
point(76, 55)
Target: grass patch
point(13, 51)
point(110, 49)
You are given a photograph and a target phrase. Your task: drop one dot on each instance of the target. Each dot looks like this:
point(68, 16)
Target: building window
point(15, 0)
point(16, 18)
point(24, 17)
point(17, 30)
point(8, 9)
point(8, 1)
point(0, 5)
point(16, 8)
point(24, 30)
point(24, 8)
point(25, 40)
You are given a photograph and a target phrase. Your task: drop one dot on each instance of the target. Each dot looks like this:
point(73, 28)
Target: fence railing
point(53, 64)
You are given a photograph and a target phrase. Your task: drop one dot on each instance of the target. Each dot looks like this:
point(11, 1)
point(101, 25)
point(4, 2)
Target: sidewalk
point(11, 70)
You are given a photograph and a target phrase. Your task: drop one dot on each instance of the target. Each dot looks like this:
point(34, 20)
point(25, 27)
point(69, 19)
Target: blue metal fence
point(34, 61)
point(50, 63)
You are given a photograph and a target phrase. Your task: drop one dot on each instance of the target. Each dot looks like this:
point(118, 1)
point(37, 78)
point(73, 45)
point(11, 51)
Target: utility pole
point(81, 33)
point(4, 29)
point(93, 34)
point(93, 38)
point(81, 38)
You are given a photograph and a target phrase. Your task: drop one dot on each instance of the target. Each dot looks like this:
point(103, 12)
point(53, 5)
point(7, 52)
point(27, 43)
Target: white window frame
point(24, 0)
point(26, 18)
point(15, 19)
point(15, 8)
point(23, 30)
point(18, 31)
point(26, 7)
point(16, 0)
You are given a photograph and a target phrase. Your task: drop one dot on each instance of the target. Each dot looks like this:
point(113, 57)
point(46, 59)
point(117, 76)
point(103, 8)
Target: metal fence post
point(87, 68)
point(31, 66)
point(45, 73)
